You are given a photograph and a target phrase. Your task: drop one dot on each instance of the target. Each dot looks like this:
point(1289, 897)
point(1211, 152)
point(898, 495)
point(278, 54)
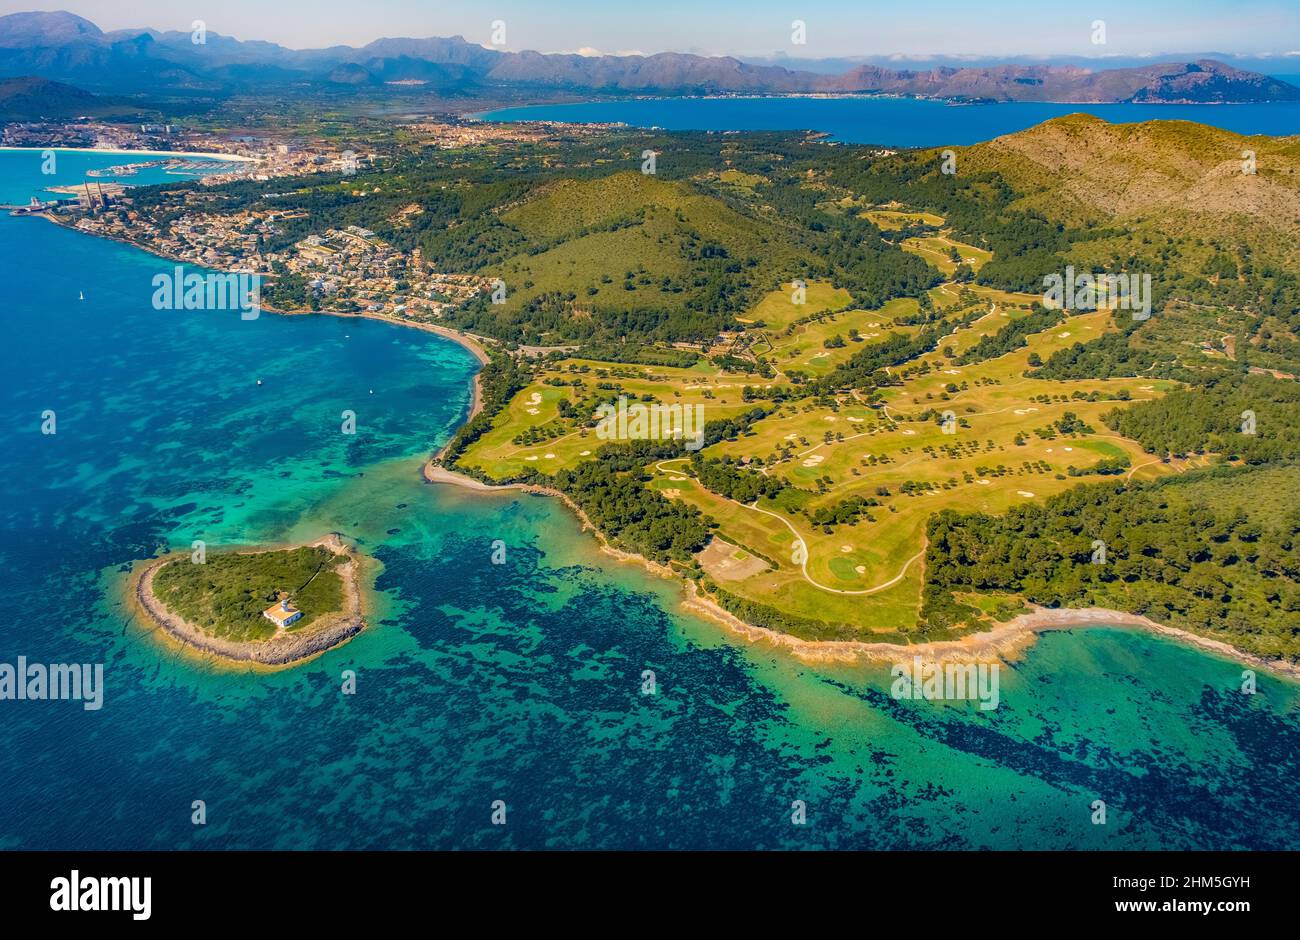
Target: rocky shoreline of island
point(283, 649)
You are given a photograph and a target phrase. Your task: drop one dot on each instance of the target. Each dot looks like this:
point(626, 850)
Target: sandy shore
point(140, 153)
point(1005, 641)
point(283, 649)
point(434, 472)
point(471, 343)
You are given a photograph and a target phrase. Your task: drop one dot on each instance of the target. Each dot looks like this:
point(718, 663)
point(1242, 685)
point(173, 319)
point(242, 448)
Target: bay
point(893, 122)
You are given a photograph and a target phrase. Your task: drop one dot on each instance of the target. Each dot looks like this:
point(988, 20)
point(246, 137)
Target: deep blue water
point(478, 682)
point(896, 122)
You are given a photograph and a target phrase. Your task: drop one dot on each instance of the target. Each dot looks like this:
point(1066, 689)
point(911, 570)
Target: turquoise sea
point(478, 682)
point(893, 122)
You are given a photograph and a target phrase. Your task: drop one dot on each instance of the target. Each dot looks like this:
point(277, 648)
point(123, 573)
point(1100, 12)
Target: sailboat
point(81, 295)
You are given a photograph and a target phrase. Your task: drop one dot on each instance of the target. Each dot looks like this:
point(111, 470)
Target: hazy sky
point(752, 27)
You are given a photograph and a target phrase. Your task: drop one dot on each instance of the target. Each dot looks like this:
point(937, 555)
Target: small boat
point(81, 295)
point(259, 381)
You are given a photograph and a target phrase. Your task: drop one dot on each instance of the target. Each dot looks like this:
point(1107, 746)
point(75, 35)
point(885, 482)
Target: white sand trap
point(585, 453)
point(792, 437)
point(1065, 335)
point(814, 460)
point(672, 494)
point(820, 355)
point(1068, 448)
point(550, 456)
point(533, 457)
point(982, 482)
point(532, 411)
point(830, 418)
point(861, 569)
point(846, 548)
point(1025, 493)
point(952, 371)
point(1049, 450)
point(908, 431)
point(535, 398)
point(677, 479)
point(857, 420)
point(1146, 388)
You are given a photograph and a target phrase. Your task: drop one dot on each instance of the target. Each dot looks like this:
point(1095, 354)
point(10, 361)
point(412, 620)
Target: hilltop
point(28, 98)
point(1082, 166)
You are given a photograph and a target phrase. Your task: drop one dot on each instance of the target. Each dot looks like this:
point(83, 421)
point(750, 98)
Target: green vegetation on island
point(226, 595)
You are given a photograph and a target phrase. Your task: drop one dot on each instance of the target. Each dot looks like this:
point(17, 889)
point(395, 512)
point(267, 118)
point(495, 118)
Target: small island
point(275, 607)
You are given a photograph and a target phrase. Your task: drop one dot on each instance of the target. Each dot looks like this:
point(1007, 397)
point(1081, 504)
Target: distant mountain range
point(1285, 67)
point(67, 48)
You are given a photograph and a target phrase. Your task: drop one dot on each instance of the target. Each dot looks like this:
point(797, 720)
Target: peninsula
point(904, 441)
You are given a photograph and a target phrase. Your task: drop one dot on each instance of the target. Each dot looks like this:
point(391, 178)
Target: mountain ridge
point(70, 48)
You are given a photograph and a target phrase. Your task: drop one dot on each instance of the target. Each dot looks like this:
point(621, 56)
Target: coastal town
point(344, 270)
point(347, 270)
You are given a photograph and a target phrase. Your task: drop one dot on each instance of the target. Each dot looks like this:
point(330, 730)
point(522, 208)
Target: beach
point(214, 155)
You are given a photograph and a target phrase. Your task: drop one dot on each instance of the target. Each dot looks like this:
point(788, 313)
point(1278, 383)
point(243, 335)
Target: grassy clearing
point(531, 432)
point(893, 219)
point(936, 251)
point(778, 311)
point(226, 596)
point(817, 347)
